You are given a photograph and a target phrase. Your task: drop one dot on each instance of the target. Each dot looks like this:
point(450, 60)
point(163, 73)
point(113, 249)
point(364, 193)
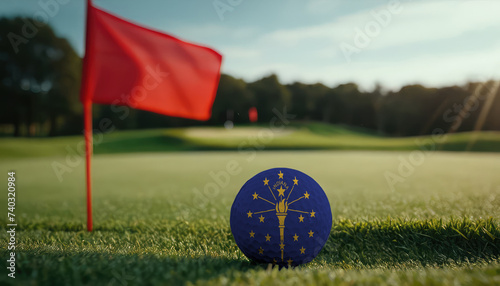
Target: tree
point(233, 96)
point(404, 113)
point(39, 76)
point(346, 104)
point(269, 94)
point(305, 99)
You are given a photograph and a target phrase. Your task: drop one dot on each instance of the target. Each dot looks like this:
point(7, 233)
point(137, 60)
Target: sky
point(387, 42)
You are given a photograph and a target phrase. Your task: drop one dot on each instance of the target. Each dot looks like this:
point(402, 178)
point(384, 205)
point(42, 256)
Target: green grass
point(296, 136)
point(154, 224)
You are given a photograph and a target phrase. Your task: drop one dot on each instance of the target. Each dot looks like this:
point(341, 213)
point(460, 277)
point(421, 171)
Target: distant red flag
point(127, 64)
point(252, 114)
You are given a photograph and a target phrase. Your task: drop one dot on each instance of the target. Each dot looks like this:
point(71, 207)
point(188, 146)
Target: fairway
point(296, 136)
point(156, 222)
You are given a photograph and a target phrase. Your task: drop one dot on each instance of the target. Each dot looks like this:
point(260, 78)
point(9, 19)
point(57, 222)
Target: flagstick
point(88, 152)
point(87, 118)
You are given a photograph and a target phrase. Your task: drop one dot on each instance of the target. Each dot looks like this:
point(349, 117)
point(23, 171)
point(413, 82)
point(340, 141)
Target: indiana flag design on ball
point(281, 216)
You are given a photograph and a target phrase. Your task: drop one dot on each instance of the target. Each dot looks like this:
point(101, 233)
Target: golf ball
point(281, 216)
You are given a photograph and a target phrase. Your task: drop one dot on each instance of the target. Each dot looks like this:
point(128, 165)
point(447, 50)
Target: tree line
point(40, 83)
point(413, 110)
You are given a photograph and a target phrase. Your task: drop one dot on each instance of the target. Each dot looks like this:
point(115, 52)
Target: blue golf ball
point(281, 216)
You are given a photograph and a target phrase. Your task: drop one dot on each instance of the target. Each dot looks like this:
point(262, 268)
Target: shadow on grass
point(157, 143)
point(385, 243)
point(170, 143)
point(167, 143)
point(91, 268)
point(429, 242)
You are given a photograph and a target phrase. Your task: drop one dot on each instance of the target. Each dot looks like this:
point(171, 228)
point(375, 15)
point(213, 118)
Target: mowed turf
point(295, 136)
point(156, 223)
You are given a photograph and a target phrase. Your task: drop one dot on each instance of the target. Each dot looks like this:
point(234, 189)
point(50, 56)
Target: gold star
point(306, 195)
point(295, 181)
point(302, 250)
point(281, 191)
point(268, 237)
point(312, 213)
point(301, 218)
point(255, 196)
point(266, 182)
point(311, 233)
point(282, 246)
point(290, 261)
point(261, 218)
point(295, 237)
point(280, 175)
point(252, 233)
point(249, 213)
point(261, 251)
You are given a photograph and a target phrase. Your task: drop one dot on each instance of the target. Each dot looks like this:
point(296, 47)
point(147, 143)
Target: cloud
point(241, 53)
point(210, 32)
point(431, 69)
point(418, 22)
point(424, 36)
point(430, 21)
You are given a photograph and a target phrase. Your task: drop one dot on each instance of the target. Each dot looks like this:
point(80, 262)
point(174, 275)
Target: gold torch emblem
point(281, 205)
point(281, 209)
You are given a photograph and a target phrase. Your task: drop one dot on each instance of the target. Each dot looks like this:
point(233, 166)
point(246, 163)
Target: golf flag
point(126, 64)
point(253, 115)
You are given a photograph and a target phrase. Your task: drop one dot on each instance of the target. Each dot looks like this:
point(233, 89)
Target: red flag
point(127, 64)
point(252, 114)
